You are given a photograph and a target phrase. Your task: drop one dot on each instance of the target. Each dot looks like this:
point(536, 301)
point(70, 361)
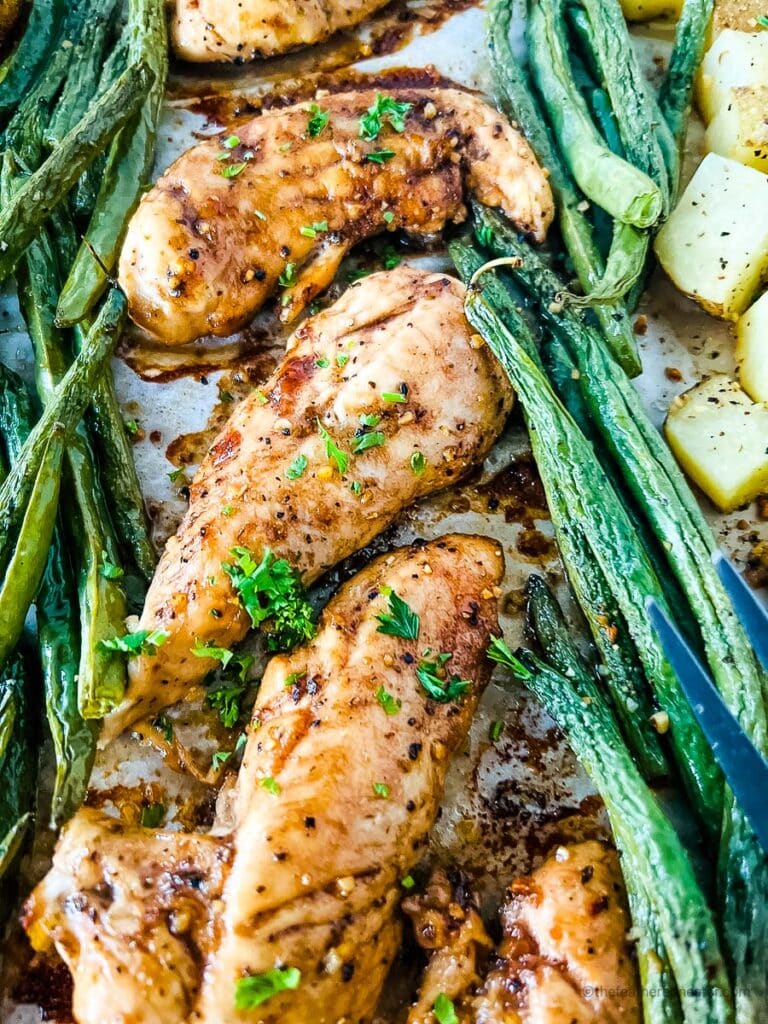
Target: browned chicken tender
point(332, 808)
point(566, 957)
point(221, 30)
point(395, 350)
point(281, 202)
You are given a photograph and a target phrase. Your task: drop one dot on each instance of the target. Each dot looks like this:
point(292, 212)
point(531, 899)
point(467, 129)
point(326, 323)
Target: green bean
point(514, 98)
point(66, 408)
point(627, 193)
point(31, 206)
point(10, 844)
point(31, 53)
point(129, 164)
point(577, 489)
point(26, 565)
point(688, 49)
point(18, 763)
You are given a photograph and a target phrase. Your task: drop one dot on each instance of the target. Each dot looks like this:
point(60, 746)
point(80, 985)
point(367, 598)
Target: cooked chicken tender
point(383, 398)
point(220, 30)
point(281, 202)
point(342, 776)
point(565, 957)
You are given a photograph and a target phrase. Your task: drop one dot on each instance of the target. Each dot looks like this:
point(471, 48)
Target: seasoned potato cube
point(714, 246)
point(740, 14)
point(752, 350)
point(720, 436)
point(740, 129)
point(735, 60)
point(645, 10)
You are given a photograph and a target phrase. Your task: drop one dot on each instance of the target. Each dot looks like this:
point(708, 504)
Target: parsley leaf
point(497, 728)
point(401, 621)
point(271, 785)
point(370, 419)
point(240, 662)
point(254, 990)
point(366, 441)
point(313, 230)
point(437, 684)
point(381, 790)
point(109, 570)
point(418, 463)
point(273, 595)
point(318, 119)
point(232, 170)
point(342, 359)
point(164, 726)
point(333, 451)
point(297, 467)
point(226, 699)
point(152, 815)
point(762, 21)
point(390, 704)
point(232, 142)
point(380, 156)
point(288, 275)
point(444, 1010)
point(176, 474)
point(388, 216)
point(143, 641)
point(395, 397)
point(391, 258)
point(383, 109)
point(220, 758)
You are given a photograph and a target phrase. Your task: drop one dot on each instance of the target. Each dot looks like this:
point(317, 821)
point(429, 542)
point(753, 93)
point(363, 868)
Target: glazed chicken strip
point(282, 201)
point(447, 924)
point(220, 30)
point(565, 957)
point(340, 784)
point(395, 350)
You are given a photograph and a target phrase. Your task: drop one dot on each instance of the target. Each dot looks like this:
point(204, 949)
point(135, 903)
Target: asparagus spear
point(627, 193)
point(643, 834)
point(624, 677)
point(577, 489)
point(128, 167)
point(514, 98)
point(32, 204)
point(660, 490)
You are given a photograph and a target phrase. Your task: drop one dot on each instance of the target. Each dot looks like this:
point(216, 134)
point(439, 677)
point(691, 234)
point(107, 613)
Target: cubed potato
point(752, 350)
point(646, 10)
point(720, 438)
point(714, 246)
point(740, 129)
point(739, 14)
point(735, 60)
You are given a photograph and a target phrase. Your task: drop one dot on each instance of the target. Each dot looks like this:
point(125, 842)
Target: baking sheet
point(506, 802)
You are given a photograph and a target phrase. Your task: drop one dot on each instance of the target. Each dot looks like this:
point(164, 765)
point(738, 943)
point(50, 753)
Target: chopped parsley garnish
point(401, 621)
point(176, 474)
point(220, 758)
point(254, 990)
point(260, 397)
point(436, 681)
point(384, 109)
point(164, 726)
point(318, 119)
point(132, 427)
point(143, 641)
point(444, 1010)
point(390, 704)
point(408, 882)
point(497, 728)
point(321, 363)
point(227, 511)
point(297, 467)
point(369, 419)
point(380, 156)
point(391, 258)
point(152, 815)
point(356, 487)
point(109, 570)
point(381, 790)
point(232, 142)
point(288, 275)
point(313, 230)
point(239, 662)
point(388, 216)
point(762, 20)
point(396, 397)
point(271, 785)
point(373, 440)
point(274, 597)
point(418, 463)
point(294, 677)
point(341, 359)
point(226, 700)
point(332, 450)
point(484, 236)
point(232, 170)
